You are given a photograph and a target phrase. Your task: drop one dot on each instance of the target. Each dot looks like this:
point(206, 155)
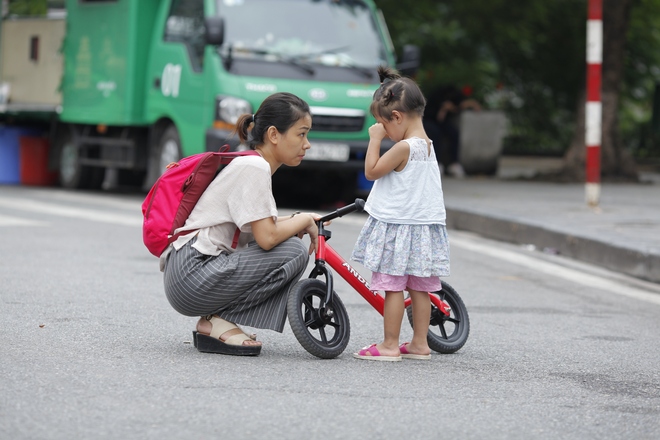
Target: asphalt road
point(91, 348)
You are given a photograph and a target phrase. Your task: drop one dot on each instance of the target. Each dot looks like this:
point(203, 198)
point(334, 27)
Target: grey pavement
point(621, 234)
point(92, 349)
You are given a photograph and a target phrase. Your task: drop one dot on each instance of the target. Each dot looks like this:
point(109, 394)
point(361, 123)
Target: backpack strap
point(234, 242)
point(174, 237)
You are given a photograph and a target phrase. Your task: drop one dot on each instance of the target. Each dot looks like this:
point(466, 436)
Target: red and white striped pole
point(594, 107)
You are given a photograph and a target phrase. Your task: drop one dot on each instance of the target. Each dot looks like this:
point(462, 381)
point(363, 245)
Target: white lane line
point(101, 199)
point(6, 220)
point(64, 211)
point(556, 270)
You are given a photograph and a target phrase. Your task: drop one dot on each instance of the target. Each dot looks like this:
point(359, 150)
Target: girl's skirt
point(419, 250)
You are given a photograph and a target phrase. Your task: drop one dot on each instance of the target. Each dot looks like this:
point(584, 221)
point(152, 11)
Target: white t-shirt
point(240, 194)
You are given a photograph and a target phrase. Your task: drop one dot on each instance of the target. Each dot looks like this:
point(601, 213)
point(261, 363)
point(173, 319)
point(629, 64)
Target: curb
point(629, 261)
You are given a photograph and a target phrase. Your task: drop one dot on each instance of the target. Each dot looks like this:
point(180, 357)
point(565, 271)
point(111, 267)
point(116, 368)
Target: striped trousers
point(248, 287)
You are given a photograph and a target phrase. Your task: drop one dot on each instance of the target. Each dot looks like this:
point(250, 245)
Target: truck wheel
point(73, 175)
point(169, 148)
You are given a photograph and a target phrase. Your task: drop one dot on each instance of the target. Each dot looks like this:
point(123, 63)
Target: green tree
point(520, 57)
point(641, 80)
point(532, 56)
point(28, 7)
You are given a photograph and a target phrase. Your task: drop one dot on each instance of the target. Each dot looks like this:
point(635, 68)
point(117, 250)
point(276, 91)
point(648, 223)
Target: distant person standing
point(440, 120)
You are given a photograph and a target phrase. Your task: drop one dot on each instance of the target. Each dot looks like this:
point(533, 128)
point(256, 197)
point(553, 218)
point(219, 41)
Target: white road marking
point(556, 270)
point(99, 199)
point(65, 211)
point(456, 238)
point(613, 282)
point(6, 220)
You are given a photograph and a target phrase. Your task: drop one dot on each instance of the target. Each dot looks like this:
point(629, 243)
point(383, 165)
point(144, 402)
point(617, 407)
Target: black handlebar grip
point(358, 205)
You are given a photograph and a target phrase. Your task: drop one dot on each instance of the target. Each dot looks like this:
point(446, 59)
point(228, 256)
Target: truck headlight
point(229, 108)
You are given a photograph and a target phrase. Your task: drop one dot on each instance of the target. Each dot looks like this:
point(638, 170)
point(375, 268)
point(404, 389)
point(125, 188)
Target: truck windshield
point(303, 32)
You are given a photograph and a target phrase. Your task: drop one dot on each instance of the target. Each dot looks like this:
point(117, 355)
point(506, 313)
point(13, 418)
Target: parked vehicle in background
point(127, 86)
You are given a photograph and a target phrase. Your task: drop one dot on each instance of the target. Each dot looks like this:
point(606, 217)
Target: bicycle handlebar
point(358, 206)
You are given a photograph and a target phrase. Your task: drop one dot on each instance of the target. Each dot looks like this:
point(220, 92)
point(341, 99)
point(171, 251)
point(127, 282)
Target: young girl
point(404, 241)
point(205, 276)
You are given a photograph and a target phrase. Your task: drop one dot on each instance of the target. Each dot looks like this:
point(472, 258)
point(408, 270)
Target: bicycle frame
point(321, 323)
point(326, 254)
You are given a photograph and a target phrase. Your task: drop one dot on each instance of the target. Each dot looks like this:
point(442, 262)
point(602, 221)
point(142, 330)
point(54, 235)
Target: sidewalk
point(622, 234)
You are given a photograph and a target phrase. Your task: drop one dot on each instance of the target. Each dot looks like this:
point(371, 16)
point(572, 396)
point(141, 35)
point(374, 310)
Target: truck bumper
point(356, 150)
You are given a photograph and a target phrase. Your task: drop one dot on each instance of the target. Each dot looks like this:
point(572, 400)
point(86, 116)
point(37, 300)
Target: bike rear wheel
point(447, 334)
point(323, 331)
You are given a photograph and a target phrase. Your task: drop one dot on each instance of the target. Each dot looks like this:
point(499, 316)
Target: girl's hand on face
point(377, 132)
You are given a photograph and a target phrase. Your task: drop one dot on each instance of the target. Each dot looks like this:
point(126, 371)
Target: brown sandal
point(233, 345)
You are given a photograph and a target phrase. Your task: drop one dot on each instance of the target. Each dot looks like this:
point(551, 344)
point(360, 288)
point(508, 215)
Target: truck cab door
point(177, 89)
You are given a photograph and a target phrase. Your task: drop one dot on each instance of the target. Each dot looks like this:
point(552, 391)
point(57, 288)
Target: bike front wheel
point(322, 329)
point(447, 334)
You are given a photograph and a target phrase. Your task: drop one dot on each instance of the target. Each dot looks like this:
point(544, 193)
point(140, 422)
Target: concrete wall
point(32, 81)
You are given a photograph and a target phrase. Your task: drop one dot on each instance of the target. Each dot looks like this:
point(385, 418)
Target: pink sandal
point(371, 353)
point(403, 348)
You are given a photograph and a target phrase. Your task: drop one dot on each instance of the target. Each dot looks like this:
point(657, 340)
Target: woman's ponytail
point(242, 127)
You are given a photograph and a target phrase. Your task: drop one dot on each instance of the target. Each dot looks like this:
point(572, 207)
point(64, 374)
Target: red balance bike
point(318, 317)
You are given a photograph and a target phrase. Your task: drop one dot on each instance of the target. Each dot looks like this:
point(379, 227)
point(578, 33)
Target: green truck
point(128, 86)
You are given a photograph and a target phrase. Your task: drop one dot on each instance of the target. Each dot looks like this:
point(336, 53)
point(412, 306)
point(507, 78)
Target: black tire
point(323, 336)
point(447, 334)
point(169, 148)
point(72, 174)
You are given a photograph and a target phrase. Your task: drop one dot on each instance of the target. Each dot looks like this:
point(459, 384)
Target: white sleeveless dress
point(405, 233)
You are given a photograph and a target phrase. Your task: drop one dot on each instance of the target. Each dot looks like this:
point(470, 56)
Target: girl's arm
point(268, 233)
point(375, 165)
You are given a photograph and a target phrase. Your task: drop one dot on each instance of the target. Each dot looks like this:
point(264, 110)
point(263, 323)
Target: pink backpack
point(175, 193)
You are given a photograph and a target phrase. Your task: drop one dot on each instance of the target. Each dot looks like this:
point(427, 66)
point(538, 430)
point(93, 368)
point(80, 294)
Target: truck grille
point(337, 119)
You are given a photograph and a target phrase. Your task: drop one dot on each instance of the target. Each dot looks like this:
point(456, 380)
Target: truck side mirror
point(214, 30)
point(410, 60)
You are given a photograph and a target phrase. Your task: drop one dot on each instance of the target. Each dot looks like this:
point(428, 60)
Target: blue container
point(363, 184)
point(10, 165)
